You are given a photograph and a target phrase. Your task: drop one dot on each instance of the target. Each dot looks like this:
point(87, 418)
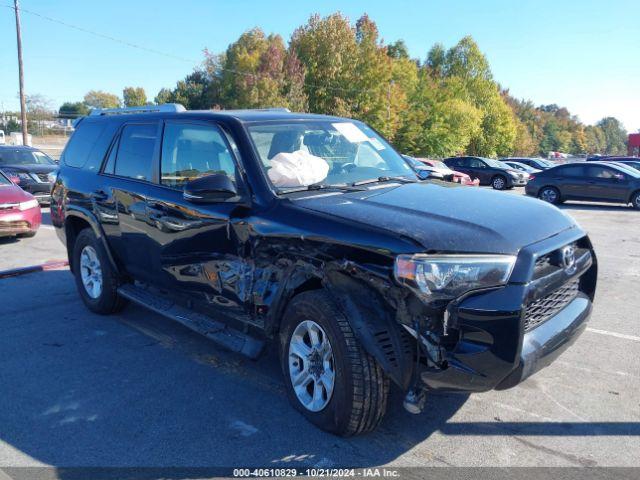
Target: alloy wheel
point(91, 272)
point(311, 365)
point(498, 183)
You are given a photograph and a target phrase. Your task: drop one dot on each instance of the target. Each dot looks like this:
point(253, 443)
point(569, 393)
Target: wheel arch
point(77, 220)
point(633, 194)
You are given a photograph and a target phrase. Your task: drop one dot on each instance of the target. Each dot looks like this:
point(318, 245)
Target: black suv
point(311, 231)
point(31, 169)
point(490, 172)
point(593, 181)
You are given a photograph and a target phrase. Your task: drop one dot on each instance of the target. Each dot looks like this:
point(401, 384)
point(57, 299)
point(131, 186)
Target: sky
point(584, 55)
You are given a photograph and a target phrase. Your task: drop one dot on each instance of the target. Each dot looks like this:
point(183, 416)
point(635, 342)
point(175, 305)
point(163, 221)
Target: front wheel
point(329, 377)
point(635, 201)
point(499, 182)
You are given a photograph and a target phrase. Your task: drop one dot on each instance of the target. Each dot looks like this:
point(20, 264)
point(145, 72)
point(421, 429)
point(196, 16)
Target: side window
point(572, 171)
point(135, 151)
point(600, 172)
point(82, 143)
point(475, 163)
point(191, 151)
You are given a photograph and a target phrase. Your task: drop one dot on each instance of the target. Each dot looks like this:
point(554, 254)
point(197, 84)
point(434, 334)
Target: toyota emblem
point(569, 259)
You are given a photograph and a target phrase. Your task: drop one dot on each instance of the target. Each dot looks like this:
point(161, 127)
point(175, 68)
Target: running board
point(217, 331)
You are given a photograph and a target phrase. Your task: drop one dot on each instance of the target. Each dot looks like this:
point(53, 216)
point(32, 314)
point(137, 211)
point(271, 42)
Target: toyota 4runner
point(312, 232)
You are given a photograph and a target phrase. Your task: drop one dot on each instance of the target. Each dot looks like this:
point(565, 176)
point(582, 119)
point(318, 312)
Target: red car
point(457, 177)
point(19, 211)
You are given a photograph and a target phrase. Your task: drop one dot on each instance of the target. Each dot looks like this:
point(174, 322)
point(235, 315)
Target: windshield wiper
point(384, 179)
point(316, 187)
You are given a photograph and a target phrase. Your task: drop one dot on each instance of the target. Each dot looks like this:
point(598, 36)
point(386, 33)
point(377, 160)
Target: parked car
point(33, 170)
point(537, 163)
point(19, 211)
point(312, 232)
point(631, 163)
point(488, 171)
point(593, 181)
point(423, 171)
point(523, 167)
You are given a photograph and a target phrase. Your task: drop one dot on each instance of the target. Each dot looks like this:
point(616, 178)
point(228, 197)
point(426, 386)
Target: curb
point(50, 265)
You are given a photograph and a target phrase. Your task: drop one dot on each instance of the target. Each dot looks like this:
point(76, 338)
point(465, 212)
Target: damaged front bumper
point(495, 344)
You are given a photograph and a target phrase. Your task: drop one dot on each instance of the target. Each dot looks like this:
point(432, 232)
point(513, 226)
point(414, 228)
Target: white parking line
point(614, 334)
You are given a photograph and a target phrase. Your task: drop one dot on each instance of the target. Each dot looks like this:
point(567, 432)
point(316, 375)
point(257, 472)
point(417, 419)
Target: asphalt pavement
point(135, 389)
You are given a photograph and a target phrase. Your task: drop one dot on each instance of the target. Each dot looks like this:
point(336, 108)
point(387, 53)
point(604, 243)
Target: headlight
point(28, 204)
point(52, 177)
point(20, 175)
point(445, 277)
point(514, 175)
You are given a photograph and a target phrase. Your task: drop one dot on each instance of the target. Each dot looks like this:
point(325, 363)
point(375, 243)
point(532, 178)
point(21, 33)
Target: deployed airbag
point(297, 169)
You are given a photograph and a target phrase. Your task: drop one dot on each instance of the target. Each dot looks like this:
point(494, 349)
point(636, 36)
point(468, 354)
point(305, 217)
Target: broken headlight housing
point(445, 277)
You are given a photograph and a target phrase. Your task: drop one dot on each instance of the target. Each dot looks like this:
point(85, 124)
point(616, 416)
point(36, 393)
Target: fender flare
point(90, 218)
point(373, 322)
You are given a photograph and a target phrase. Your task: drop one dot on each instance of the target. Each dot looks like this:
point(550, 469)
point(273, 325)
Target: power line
point(170, 55)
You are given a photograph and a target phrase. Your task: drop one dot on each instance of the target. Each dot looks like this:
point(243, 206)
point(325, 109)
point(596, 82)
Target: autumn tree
point(258, 72)
point(134, 97)
point(615, 136)
point(100, 99)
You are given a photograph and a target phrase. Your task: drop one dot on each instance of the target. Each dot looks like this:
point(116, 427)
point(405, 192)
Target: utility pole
point(23, 104)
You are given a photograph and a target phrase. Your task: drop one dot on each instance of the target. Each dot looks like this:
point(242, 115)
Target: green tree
point(99, 99)
point(258, 72)
point(327, 48)
point(73, 110)
point(134, 97)
point(595, 140)
point(398, 50)
point(198, 91)
point(615, 136)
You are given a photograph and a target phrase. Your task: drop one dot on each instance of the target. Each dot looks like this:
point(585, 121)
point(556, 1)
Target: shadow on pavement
point(136, 390)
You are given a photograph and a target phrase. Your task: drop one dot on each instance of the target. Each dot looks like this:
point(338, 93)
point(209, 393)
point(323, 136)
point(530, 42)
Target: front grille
point(11, 226)
point(541, 310)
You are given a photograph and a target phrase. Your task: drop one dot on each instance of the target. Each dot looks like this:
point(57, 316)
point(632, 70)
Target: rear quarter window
point(83, 144)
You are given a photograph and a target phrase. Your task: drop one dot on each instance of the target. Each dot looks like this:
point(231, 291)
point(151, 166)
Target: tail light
point(531, 176)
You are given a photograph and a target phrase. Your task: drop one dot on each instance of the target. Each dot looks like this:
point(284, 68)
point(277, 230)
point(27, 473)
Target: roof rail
point(243, 110)
point(166, 107)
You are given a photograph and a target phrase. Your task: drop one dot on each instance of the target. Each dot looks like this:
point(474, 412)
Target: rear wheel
point(499, 182)
point(635, 200)
point(95, 279)
point(550, 194)
point(329, 377)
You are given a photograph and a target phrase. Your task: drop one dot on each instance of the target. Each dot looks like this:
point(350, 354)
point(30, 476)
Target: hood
point(35, 168)
point(13, 194)
point(446, 217)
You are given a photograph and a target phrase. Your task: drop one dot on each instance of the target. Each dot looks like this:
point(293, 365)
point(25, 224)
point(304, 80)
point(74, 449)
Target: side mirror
point(210, 189)
point(423, 173)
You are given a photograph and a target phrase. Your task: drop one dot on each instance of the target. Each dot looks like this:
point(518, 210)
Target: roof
point(257, 115)
point(17, 147)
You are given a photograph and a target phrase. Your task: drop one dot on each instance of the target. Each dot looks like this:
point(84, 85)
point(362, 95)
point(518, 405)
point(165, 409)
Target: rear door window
point(576, 171)
point(135, 151)
point(600, 172)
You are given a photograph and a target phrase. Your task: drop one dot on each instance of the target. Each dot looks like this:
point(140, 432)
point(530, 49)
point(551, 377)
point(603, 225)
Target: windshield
point(24, 157)
point(324, 152)
point(439, 164)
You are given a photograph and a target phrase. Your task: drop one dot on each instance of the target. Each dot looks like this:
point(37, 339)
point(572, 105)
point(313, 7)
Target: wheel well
point(632, 194)
point(73, 226)
point(312, 283)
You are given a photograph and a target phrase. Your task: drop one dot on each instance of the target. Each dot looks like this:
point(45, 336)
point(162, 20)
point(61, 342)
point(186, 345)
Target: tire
point(550, 195)
point(635, 200)
point(499, 182)
point(104, 300)
point(358, 400)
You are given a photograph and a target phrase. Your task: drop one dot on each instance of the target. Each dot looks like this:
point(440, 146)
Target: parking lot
point(138, 390)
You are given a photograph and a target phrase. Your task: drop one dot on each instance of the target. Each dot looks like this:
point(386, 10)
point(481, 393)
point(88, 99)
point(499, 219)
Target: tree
point(615, 136)
point(73, 110)
point(257, 71)
point(198, 91)
point(398, 50)
point(134, 97)
point(327, 49)
point(594, 139)
point(99, 99)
